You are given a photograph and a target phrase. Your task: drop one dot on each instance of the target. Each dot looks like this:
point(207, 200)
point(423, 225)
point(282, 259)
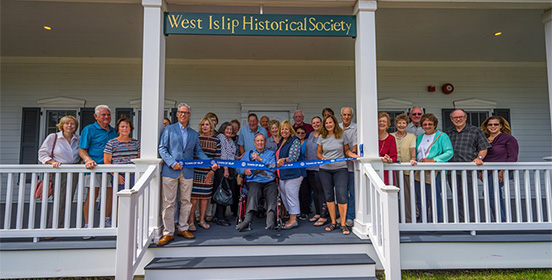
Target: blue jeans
point(492, 198)
point(351, 201)
point(428, 198)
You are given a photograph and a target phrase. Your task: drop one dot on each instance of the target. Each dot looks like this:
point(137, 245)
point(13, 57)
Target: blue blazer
point(170, 149)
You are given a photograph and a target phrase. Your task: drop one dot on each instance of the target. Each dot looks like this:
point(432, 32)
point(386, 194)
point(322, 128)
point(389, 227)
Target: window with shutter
point(30, 133)
point(86, 117)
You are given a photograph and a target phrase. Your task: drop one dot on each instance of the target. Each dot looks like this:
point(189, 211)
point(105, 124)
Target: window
point(54, 116)
point(475, 117)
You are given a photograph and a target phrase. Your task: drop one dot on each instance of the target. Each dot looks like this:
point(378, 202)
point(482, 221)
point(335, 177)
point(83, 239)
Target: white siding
point(221, 86)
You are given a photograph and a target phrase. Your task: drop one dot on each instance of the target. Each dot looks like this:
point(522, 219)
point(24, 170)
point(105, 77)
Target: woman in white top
point(57, 149)
point(406, 152)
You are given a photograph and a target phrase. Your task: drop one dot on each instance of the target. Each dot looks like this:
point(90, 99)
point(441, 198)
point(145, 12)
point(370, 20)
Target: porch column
point(153, 77)
point(366, 104)
point(153, 100)
point(547, 21)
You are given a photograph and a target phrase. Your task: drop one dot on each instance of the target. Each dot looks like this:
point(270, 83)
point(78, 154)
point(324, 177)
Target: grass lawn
point(485, 274)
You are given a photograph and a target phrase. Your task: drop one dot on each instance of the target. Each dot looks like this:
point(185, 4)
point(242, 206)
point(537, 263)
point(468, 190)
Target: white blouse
point(63, 152)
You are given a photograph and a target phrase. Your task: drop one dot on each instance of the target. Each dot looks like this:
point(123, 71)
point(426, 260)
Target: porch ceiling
point(84, 29)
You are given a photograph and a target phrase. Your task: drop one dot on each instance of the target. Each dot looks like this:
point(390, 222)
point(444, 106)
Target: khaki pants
point(407, 205)
point(170, 188)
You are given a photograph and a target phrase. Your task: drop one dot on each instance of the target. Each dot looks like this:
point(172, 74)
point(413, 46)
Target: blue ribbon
point(256, 165)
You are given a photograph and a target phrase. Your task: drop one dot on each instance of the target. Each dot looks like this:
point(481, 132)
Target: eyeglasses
point(183, 112)
point(301, 132)
point(493, 124)
point(459, 118)
point(416, 114)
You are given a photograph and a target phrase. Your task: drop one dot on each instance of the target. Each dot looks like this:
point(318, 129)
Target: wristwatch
point(480, 157)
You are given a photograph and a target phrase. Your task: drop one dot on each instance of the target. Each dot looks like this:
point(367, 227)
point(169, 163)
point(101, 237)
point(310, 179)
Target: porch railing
point(522, 202)
point(25, 216)
point(138, 214)
point(380, 203)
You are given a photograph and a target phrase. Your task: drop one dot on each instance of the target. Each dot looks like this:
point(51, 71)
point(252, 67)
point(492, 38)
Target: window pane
point(53, 117)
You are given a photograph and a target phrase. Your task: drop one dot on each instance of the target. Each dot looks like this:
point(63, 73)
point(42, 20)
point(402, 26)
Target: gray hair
point(299, 111)
point(458, 109)
point(97, 109)
point(352, 110)
point(184, 105)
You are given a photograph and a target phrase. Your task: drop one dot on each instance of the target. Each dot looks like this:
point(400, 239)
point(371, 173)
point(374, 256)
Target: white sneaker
point(350, 223)
point(108, 222)
point(87, 237)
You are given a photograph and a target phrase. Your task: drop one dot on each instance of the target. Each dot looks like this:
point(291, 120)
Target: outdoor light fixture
point(498, 33)
point(47, 27)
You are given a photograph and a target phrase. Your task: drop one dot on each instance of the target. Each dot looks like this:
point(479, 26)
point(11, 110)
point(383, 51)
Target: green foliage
point(484, 274)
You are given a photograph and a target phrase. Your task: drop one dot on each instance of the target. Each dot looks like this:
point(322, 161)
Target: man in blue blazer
point(178, 142)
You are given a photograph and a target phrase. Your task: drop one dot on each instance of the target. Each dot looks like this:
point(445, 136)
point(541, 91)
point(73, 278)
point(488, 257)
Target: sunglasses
point(417, 114)
point(493, 124)
point(300, 132)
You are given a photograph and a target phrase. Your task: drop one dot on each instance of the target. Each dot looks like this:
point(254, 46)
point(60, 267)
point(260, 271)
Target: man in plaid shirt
point(470, 145)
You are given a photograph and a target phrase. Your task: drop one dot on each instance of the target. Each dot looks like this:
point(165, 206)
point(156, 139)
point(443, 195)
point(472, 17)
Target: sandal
point(345, 230)
point(320, 222)
point(314, 218)
point(192, 227)
point(331, 227)
point(204, 225)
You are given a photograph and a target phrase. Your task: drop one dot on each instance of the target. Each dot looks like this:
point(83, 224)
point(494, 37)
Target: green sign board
point(259, 25)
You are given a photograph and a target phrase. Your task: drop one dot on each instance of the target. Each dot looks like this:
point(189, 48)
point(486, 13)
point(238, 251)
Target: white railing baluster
point(423, 197)
point(455, 203)
point(91, 199)
point(485, 178)
point(548, 190)
point(32, 202)
point(444, 196)
point(538, 197)
point(8, 206)
point(465, 196)
point(68, 201)
point(434, 216)
point(517, 187)
point(55, 210)
point(507, 196)
point(412, 198)
point(80, 198)
point(103, 200)
point(401, 198)
point(475, 186)
point(527, 183)
point(497, 197)
point(114, 201)
point(44, 208)
point(20, 201)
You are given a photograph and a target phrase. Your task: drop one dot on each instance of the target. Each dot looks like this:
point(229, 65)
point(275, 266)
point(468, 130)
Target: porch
point(381, 232)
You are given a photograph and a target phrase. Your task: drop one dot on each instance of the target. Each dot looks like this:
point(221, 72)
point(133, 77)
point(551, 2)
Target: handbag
point(40, 185)
point(427, 173)
point(223, 194)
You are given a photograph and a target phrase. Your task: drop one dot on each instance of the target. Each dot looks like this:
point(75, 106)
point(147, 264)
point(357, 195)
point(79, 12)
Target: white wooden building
point(114, 53)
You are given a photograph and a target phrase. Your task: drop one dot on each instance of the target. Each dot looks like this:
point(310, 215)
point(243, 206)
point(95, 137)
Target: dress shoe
point(186, 234)
point(294, 225)
point(164, 240)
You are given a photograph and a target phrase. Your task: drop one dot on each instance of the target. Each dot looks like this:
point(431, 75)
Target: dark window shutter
point(505, 113)
point(125, 112)
point(86, 117)
point(30, 132)
point(173, 115)
point(445, 119)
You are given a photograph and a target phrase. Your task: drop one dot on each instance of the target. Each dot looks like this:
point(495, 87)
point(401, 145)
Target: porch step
point(320, 266)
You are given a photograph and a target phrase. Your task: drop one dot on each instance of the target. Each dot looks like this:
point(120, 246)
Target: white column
point(547, 21)
point(366, 104)
point(153, 77)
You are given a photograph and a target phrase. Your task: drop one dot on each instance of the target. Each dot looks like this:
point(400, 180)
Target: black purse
point(223, 194)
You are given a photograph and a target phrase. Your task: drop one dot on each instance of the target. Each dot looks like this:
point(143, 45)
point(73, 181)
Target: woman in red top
point(387, 145)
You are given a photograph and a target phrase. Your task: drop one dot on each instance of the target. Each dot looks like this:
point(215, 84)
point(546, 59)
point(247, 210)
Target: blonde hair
point(384, 114)
point(338, 131)
point(288, 124)
point(211, 124)
point(66, 119)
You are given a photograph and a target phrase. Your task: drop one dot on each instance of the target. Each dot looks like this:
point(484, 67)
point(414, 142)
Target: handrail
point(134, 223)
point(382, 219)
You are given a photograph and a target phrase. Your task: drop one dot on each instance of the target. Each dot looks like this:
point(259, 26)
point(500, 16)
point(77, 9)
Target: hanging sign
point(259, 25)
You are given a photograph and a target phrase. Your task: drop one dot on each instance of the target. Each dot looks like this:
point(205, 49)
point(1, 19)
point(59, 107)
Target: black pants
point(220, 210)
point(305, 197)
point(318, 193)
point(461, 194)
